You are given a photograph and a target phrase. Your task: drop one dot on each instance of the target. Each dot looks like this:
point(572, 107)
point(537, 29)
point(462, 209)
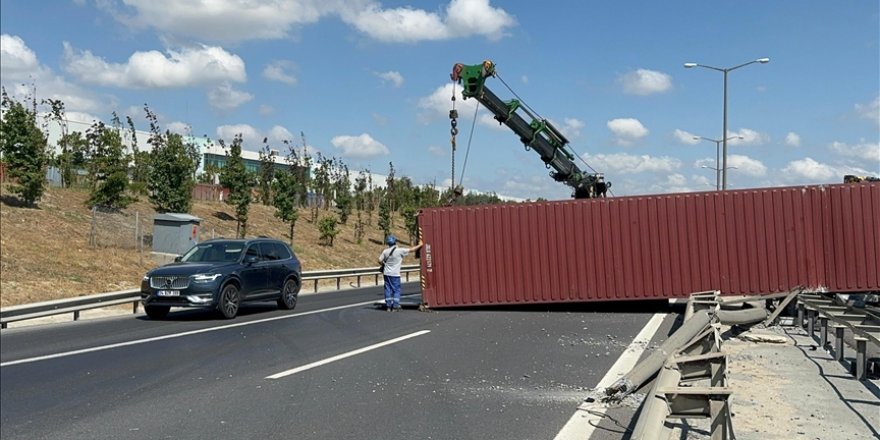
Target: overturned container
point(745, 242)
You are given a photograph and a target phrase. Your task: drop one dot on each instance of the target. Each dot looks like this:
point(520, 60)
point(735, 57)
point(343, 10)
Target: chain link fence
point(113, 228)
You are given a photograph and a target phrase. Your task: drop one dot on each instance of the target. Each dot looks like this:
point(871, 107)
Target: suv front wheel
point(229, 301)
point(289, 294)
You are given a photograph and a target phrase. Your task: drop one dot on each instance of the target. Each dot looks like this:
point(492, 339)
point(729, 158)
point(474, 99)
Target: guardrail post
point(811, 322)
point(861, 358)
point(338, 280)
point(359, 280)
point(377, 279)
point(800, 314)
point(718, 412)
point(316, 286)
point(838, 342)
point(134, 307)
point(76, 315)
point(823, 328)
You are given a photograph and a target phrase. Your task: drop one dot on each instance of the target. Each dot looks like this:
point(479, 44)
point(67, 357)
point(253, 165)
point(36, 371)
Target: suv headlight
point(146, 278)
point(205, 277)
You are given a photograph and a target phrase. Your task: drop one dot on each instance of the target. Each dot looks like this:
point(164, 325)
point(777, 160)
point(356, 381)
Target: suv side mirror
point(251, 259)
point(177, 259)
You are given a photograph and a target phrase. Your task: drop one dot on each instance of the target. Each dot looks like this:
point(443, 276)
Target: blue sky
point(368, 81)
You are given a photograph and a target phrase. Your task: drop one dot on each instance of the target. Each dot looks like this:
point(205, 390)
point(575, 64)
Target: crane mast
point(538, 134)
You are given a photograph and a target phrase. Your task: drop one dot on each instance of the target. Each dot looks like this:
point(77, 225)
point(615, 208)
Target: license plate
point(168, 293)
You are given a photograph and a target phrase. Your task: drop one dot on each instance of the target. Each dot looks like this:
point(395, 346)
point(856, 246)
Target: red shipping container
point(754, 241)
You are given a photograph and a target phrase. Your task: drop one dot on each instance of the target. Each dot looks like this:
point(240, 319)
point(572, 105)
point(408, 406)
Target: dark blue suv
point(221, 274)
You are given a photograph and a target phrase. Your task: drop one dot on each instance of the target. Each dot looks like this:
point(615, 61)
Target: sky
point(368, 81)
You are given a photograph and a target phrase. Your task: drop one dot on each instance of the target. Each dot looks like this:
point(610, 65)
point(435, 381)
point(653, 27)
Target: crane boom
point(538, 135)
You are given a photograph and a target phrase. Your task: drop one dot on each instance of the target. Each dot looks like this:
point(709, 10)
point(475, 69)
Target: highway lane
point(499, 373)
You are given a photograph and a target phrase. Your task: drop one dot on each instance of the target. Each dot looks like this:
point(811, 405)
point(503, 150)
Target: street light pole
point(724, 123)
point(717, 158)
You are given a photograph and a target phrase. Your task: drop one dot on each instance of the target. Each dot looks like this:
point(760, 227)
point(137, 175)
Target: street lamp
point(724, 127)
point(717, 153)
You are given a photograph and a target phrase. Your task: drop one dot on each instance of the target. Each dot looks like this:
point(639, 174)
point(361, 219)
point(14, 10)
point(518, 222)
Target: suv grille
point(169, 282)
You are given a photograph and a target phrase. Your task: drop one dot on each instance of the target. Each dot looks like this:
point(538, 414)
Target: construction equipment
point(849, 178)
point(538, 135)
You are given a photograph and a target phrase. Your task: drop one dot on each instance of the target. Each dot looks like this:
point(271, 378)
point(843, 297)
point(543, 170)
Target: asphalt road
point(334, 368)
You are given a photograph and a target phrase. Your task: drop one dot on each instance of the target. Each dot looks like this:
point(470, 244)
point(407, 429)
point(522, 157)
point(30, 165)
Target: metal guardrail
point(133, 296)
point(863, 324)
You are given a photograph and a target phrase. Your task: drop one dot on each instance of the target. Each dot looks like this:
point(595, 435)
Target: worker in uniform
point(391, 259)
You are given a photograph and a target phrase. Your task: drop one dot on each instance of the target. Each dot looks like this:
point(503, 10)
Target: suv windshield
point(212, 252)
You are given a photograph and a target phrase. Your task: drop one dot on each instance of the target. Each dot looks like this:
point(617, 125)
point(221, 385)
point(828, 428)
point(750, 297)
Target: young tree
point(170, 178)
point(328, 230)
point(285, 189)
point(410, 220)
point(77, 153)
point(24, 149)
point(267, 172)
point(384, 219)
point(342, 191)
point(64, 158)
point(235, 177)
point(108, 167)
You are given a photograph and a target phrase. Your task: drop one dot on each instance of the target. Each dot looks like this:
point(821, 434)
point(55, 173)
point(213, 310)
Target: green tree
point(108, 167)
point(78, 154)
point(24, 150)
point(328, 230)
point(286, 196)
point(342, 191)
point(267, 173)
point(235, 177)
point(170, 178)
point(384, 219)
point(65, 158)
point(410, 220)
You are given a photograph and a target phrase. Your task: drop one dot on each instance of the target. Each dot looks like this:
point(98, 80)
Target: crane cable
point(467, 151)
point(453, 131)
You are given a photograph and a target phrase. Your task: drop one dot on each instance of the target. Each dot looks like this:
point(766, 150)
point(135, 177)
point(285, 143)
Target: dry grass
point(45, 252)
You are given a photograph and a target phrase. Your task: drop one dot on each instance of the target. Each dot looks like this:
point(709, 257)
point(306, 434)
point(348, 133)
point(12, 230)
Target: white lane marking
point(584, 421)
point(176, 335)
point(345, 355)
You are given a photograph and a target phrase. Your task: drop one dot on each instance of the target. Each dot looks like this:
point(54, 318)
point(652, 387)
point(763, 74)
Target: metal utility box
point(175, 233)
point(753, 241)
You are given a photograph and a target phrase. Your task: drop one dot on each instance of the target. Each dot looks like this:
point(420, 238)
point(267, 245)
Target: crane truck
point(538, 134)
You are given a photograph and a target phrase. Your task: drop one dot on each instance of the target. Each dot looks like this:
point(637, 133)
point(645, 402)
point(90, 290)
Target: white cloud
point(18, 59)
point(746, 165)
point(277, 71)
point(152, 69)
point(463, 18)
point(810, 169)
point(20, 69)
point(394, 77)
point(437, 105)
point(865, 150)
point(631, 163)
point(627, 130)
point(359, 147)
point(685, 137)
point(278, 134)
point(221, 20)
point(224, 97)
point(870, 111)
point(645, 82)
point(178, 127)
point(793, 139)
point(240, 20)
point(749, 137)
point(571, 128)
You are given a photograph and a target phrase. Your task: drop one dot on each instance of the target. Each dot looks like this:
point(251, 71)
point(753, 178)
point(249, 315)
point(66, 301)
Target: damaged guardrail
point(691, 369)
point(863, 325)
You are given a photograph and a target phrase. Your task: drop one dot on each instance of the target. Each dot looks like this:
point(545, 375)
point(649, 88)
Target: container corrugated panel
point(754, 241)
